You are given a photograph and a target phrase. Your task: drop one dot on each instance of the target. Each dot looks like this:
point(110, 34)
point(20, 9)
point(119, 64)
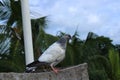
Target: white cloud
point(99, 16)
point(93, 19)
point(72, 9)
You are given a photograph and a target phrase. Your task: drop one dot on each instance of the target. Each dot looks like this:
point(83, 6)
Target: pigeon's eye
point(69, 36)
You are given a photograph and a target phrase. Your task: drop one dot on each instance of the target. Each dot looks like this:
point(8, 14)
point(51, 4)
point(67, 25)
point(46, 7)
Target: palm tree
point(13, 31)
point(115, 64)
point(103, 68)
point(5, 11)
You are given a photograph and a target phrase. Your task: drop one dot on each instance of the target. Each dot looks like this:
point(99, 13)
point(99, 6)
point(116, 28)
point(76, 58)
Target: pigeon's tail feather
point(36, 63)
point(32, 66)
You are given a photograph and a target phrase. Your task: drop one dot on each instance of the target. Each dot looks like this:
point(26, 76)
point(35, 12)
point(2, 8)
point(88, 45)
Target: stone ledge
point(78, 72)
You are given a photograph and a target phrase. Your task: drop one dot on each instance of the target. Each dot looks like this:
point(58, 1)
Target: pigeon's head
point(67, 36)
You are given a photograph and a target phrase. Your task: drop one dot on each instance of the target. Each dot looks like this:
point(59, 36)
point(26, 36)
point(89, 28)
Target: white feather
point(55, 53)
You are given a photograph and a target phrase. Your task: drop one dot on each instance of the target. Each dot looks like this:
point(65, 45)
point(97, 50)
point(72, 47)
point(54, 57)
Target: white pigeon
point(53, 55)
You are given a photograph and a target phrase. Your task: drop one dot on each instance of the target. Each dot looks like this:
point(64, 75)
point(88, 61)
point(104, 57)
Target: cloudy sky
point(99, 16)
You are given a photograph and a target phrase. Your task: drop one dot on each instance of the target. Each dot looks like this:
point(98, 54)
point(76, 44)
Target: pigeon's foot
point(56, 70)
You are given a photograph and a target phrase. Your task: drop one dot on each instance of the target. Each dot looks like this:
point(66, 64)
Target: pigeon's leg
point(54, 69)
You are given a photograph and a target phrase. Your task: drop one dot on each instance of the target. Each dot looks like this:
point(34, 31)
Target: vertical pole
point(27, 31)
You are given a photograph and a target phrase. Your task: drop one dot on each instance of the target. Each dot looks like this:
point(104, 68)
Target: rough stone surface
point(78, 72)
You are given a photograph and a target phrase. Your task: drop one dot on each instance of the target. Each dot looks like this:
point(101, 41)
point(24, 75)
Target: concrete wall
point(78, 72)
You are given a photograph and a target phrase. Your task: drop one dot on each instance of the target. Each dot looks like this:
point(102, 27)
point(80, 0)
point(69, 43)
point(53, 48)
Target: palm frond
point(15, 13)
point(4, 40)
point(115, 63)
point(5, 10)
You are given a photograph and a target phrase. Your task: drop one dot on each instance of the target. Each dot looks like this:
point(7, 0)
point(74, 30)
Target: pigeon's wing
point(55, 53)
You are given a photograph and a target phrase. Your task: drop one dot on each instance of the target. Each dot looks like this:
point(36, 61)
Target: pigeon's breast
point(54, 53)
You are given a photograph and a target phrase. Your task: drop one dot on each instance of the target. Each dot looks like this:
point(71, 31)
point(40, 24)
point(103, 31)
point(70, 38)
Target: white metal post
point(27, 31)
